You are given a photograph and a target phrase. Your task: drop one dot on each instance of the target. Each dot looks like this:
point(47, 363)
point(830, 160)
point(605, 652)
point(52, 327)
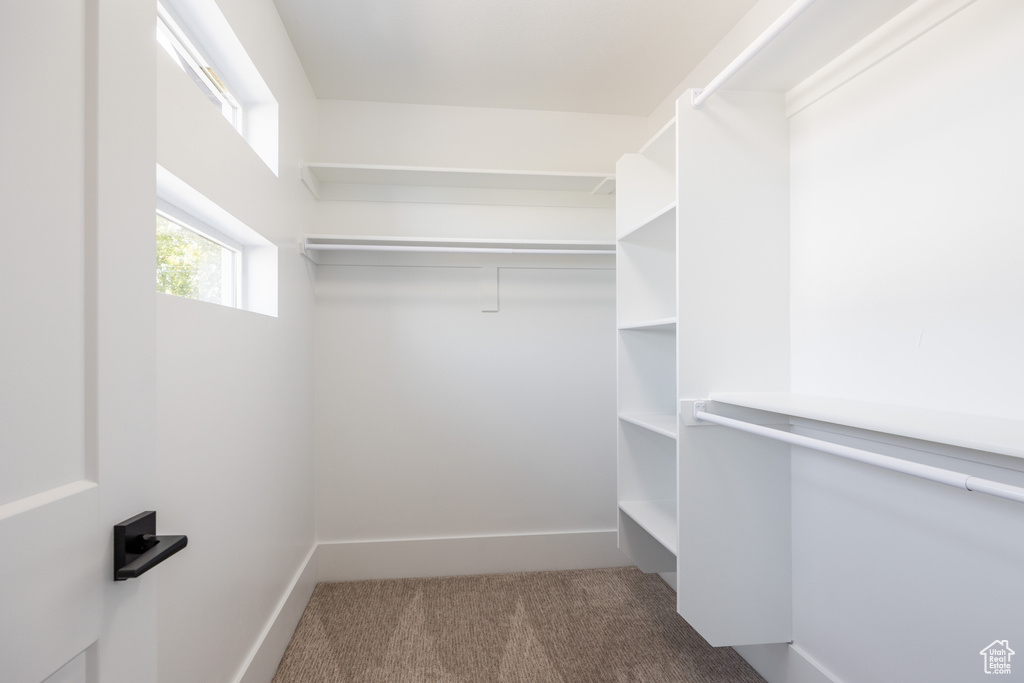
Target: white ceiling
point(601, 56)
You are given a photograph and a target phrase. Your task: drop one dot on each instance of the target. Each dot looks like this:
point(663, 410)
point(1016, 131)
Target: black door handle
point(137, 548)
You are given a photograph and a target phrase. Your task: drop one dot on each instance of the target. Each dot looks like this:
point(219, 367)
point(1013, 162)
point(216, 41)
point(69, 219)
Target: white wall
point(906, 225)
point(477, 138)
point(234, 388)
point(472, 137)
point(907, 288)
point(437, 420)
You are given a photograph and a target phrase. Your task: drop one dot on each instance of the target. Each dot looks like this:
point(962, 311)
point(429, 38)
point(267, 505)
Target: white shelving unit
point(315, 245)
point(703, 304)
point(666, 425)
point(734, 491)
point(369, 182)
point(656, 517)
point(665, 324)
point(703, 292)
point(647, 320)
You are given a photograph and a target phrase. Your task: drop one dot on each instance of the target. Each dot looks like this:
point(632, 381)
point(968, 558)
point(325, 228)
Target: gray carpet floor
point(588, 626)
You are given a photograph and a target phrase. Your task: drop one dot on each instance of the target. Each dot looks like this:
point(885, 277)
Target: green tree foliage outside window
point(190, 265)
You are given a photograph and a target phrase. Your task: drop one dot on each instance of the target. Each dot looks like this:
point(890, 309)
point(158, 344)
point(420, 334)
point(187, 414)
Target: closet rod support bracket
point(688, 409)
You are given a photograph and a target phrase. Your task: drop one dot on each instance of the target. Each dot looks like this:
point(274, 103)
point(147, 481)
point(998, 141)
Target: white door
point(76, 336)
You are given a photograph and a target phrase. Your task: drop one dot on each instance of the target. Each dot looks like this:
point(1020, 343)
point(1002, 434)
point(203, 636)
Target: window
point(192, 264)
point(199, 39)
point(184, 52)
point(205, 253)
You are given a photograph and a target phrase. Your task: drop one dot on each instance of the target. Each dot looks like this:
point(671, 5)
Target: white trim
point(887, 40)
point(785, 663)
point(456, 556)
point(265, 655)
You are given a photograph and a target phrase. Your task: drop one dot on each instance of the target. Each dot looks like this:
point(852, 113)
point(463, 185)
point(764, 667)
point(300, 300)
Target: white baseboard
point(782, 663)
point(266, 654)
point(415, 558)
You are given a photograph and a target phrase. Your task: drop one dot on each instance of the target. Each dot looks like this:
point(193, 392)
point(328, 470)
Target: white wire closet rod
point(451, 245)
point(936, 474)
point(457, 250)
point(701, 95)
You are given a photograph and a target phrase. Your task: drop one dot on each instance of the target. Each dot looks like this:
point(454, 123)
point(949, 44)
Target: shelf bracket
point(688, 408)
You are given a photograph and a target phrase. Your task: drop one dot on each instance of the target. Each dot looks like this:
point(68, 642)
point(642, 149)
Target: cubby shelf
point(660, 222)
point(657, 325)
point(666, 425)
point(657, 517)
point(371, 182)
point(662, 145)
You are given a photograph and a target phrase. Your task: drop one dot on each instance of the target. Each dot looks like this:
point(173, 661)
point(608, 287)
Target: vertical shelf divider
point(734, 491)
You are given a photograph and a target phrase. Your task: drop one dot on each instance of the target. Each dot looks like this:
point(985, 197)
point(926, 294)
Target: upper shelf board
point(658, 518)
point(665, 425)
point(656, 325)
point(661, 225)
point(662, 146)
point(976, 432)
point(821, 34)
point(414, 176)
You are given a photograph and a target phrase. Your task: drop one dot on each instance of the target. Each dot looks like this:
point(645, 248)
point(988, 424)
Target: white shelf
point(365, 174)
point(312, 243)
point(658, 325)
point(661, 225)
point(977, 432)
point(819, 36)
point(666, 425)
point(368, 182)
point(645, 186)
point(657, 517)
point(662, 146)
point(647, 372)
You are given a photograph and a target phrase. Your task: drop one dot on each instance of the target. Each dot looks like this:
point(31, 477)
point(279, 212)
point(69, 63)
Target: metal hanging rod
point(312, 243)
point(456, 250)
point(700, 95)
point(936, 474)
